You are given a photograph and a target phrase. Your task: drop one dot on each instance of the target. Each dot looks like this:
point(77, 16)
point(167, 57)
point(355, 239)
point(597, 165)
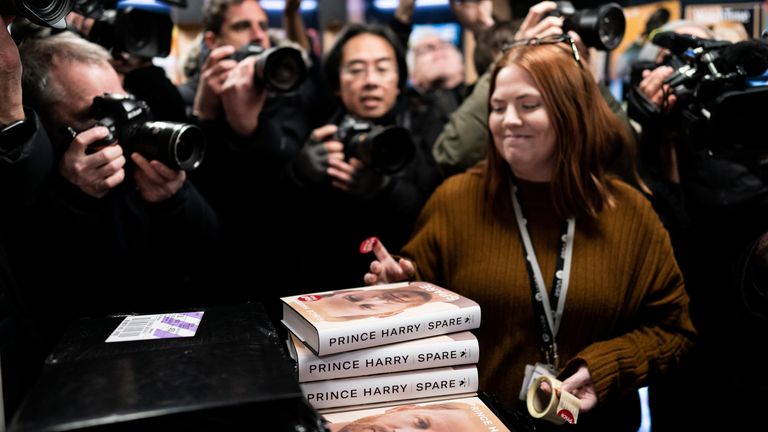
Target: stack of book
point(387, 346)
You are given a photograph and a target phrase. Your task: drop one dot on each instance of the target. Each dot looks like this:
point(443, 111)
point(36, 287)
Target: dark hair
point(587, 132)
point(490, 41)
point(333, 59)
point(214, 12)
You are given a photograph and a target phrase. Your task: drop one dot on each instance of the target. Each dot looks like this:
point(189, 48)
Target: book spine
point(391, 387)
point(440, 351)
point(387, 331)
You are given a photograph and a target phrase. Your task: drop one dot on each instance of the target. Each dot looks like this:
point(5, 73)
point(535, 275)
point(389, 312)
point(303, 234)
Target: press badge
point(531, 373)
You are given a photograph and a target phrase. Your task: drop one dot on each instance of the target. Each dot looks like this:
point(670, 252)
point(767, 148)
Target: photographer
point(128, 235)
point(254, 128)
point(715, 206)
point(346, 199)
point(25, 162)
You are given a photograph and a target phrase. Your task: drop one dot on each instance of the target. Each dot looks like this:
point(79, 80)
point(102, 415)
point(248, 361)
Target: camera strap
point(549, 321)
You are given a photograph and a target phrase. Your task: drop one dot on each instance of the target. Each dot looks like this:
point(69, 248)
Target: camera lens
point(178, 145)
point(611, 25)
point(386, 149)
point(187, 146)
point(281, 69)
point(284, 73)
point(602, 28)
point(49, 13)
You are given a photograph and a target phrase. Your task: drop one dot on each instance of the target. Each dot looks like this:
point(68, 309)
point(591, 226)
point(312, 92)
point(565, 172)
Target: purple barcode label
point(160, 326)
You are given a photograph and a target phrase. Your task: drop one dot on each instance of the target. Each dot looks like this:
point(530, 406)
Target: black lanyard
point(548, 322)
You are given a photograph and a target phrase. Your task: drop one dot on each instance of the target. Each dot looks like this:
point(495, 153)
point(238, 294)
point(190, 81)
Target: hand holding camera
point(602, 28)
point(655, 90)
point(212, 77)
point(311, 164)
point(542, 21)
point(94, 173)
point(539, 23)
point(155, 181)
point(356, 178)
point(330, 154)
point(241, 99)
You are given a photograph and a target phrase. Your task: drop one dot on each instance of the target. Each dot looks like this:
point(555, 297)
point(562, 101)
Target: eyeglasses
point(554, 39)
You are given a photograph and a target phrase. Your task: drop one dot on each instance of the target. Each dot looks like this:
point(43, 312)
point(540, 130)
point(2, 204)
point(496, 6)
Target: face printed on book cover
point(350, 305)
point(440, 417)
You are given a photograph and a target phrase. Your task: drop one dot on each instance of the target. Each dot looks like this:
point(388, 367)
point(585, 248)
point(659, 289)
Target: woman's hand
point(385, 269)
point(580, 385)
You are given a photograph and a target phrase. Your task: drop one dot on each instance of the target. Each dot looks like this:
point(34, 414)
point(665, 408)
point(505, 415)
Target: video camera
point(602, 28)
point(138, 27)
point(179, 146)
point(720, 105)
point(280, 69)
point(386, 149)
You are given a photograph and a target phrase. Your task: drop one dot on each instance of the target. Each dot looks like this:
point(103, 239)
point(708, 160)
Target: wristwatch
point(16, 133)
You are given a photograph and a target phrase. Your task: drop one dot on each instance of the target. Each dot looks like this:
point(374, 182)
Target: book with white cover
point(465, 414)
point(391, 387)
point(432, 352)
point(345, 320)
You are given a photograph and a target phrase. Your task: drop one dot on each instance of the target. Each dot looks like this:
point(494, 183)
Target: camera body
point(177, 145)
point(281, 69)
point(386, 149)
point(602, 27)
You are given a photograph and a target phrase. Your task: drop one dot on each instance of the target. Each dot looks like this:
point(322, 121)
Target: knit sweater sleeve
point(430, 242)
point(659, 326)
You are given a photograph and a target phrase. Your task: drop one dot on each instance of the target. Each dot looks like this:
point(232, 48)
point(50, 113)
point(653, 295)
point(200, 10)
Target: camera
point(49, 13)
point(177, 145)
point(602, 27)
point(721, 96)
point(280, 69)
point(386, 149)
point(139, 27)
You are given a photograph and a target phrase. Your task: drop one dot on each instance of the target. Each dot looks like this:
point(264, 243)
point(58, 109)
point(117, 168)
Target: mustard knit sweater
point(626, 313)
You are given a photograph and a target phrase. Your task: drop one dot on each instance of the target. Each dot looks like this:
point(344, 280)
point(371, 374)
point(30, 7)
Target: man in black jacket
point(253, 132)
point(344, 197)
point(120, 232)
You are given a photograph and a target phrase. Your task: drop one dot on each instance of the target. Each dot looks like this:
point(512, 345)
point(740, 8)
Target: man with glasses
point(345, 199)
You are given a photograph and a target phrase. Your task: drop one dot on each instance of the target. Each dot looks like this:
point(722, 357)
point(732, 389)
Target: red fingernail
point(368, 244)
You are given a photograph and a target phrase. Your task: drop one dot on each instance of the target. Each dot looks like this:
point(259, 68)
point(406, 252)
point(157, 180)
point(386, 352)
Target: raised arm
point(293, 24)
point(475, 16)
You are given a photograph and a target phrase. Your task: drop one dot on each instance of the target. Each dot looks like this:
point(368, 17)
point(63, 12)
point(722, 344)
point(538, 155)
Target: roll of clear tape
point(557, 407)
